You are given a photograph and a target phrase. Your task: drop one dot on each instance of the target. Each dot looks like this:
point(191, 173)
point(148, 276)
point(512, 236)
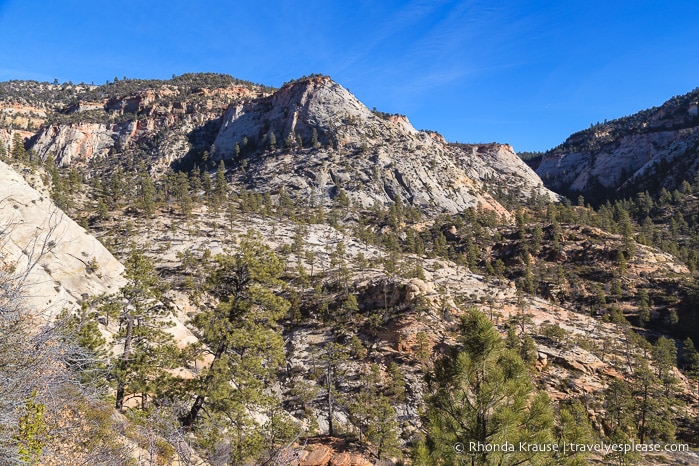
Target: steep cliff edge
point(161, 119)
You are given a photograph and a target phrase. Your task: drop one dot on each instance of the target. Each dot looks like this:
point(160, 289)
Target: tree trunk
point(188, 420)
point(331, 430)
point(124, 363)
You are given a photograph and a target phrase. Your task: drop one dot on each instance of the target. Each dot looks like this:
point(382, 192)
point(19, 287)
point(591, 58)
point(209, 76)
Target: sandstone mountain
point(77, 124)
point(384, 237)
point(649, 150)
point(313, 138)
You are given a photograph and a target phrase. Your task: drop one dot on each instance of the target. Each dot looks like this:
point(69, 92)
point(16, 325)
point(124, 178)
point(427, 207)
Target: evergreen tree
point(146, 190)
point(652, 407)
point(220, 185)
point(689, 358)
point(481, 392)
point(142, 347)
point(333, 356)
point(247, 347)
point(573, 426)
point(117, 188)
point(195, 182)
point(181, 193)
point(665, 358)
point(18, 152)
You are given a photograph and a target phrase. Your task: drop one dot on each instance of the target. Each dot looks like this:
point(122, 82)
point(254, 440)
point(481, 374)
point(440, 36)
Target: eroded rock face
point(19, 116)
point(332, 142)
point(61, 262)
point(297, 109)
point(499, 165)
point(161, 122)
point(310, 138)
point(631, 162)
point(79, 142)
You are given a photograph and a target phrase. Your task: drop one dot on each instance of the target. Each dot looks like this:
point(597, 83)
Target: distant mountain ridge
point(649, 150)
point(75, 123)
point(310, 138)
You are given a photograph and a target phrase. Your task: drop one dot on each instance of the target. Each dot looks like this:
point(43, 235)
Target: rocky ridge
point(649, 150)
point(76, 124)
point(373, 159)
point(332, 142)
point(326, 141)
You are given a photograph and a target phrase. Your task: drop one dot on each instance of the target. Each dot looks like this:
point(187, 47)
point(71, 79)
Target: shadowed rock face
point(298, 108)
point(159, 119)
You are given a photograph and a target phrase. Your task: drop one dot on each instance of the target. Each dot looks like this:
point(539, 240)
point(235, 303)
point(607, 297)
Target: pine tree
point(481, 392)
point(689, 358)
point(181, 193)
point(652, 407)
point(117, 188)
point(333, 356)
point(195, 182)
point(243, 335)
point(146, 190)
point(360, 404)
point(144, 350)
point(18, 152)
point(220, 185)
point(573, 426)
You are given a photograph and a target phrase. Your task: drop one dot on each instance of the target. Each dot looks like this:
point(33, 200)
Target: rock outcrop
point(78, 142)
point(311, 138)
point(161, 119)
point(58, 260)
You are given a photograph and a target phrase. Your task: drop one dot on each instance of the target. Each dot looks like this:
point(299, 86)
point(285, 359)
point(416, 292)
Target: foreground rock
point(59, 261)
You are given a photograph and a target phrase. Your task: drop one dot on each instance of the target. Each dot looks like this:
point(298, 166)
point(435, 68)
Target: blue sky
point(528, 73)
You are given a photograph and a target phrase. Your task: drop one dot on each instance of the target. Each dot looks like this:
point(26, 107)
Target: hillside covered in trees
point(308, 282)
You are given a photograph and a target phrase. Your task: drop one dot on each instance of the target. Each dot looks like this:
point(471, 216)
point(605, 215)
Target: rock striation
point(161, 119)
point(313, 138)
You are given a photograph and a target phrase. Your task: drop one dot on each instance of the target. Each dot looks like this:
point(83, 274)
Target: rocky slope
point(76, 124)
point(555, 276)
point(313, 138)
point(649, 150)
point(425, 311)
point(60, 262)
